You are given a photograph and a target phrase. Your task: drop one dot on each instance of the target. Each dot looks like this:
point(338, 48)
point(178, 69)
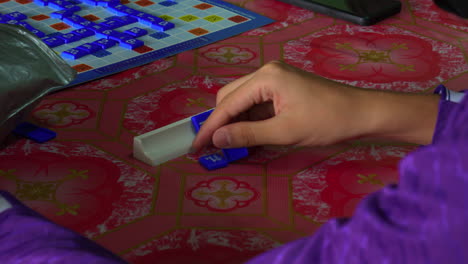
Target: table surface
point(178, 212)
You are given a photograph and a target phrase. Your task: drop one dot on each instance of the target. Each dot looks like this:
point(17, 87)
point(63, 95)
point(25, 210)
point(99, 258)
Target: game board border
point(256, 21)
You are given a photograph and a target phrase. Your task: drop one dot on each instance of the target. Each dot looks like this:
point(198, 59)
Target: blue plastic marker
point(36, 133)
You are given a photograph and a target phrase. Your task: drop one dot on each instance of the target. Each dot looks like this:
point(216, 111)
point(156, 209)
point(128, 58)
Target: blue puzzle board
point(168, 27)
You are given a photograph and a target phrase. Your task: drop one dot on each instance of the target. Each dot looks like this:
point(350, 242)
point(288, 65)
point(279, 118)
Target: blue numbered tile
point(107, 3)
point(159, 35)
point(53, 41)
point(16, 16)
point(41, 2)
point(168, 3)
point(11, 22)
point(149, 20)
point(37, 32)
point(84, 32)
point(70, 37)
point(72, 8)
point(74, 53)
point(112, 23)
point(120, 37)
point(98, 28)
point(213, 161)
point(25, 25)
point(163, 25)
point(78, 21)
point(136, 32)
point(235, 154)
point(91, 2)
point(127, 20)
point(101, 53)
point(36, 133)
point(90, 47)
point(131, 43)
point(106, 43)
point(198, 120)
point(107, 33)
point(61, 14)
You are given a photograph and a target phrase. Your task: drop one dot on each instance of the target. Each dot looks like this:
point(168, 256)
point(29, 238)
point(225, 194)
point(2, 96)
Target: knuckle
point(247, 136)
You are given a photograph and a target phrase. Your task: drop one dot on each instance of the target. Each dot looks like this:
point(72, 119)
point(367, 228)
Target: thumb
point(248, 134)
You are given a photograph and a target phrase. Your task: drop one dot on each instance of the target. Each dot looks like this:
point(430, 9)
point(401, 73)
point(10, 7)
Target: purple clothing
point(422, 220)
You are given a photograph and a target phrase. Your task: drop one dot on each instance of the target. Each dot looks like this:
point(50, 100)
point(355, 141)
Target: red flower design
point(374, 57)
point(170, 104)
point(229, 55)
point(75, 192)
point(63, 113)
point(222, 194)
point(334, 188)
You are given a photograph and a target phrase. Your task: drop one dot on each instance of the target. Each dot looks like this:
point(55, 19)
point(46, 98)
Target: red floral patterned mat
point(88, 180)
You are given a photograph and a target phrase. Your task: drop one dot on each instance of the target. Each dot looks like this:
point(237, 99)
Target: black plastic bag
point(29, 70)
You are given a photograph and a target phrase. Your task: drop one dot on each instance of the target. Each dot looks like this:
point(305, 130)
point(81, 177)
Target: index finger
point(236, 102)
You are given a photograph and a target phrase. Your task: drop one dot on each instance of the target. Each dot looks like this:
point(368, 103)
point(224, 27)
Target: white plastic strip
point(4, 204)
point(455, 97)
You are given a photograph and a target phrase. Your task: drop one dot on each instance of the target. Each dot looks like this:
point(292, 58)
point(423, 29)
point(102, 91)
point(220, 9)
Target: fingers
point(248, 134)
point(237, 101)
point(228, 88)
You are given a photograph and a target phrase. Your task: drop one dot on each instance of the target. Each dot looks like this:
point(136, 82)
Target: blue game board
point(103, 37)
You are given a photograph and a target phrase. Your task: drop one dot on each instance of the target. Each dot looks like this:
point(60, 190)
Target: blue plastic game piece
point(74, 53)
point(101, 53)
point(16, 16)
point(112, 23)
point(106, 33)
point(234, 154)
point(106, 3)
point(106, 43)
point(36, 133)
point(98, 28)
point(53, 41)
point(37, 32)
point(120, 37)
point(91, 2)
point(61, 14)
point(59, 4)
point(11, 22)
point(41, 2)
point(213, 161)
point(159, 35)
point(72, 8)
point(70, 37)
point(136, 32)
point(131, 43)
point(84, 32)
point(90, 47)
point(150, 20)
point(25, 25)
point(78, 21)
point(163, 25)
point(198, 120)
point(168, 3)
point(127, 20)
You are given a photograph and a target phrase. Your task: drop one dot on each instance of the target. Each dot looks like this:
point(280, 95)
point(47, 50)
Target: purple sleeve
point(27, 237)
point(422, 220)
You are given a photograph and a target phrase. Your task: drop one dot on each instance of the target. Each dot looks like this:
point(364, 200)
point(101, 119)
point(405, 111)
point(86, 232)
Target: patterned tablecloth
point(178, 212)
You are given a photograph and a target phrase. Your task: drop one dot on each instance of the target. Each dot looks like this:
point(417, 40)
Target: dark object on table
point(362, 12)
point(29, 70)
point(33, 132)
point(458, 7)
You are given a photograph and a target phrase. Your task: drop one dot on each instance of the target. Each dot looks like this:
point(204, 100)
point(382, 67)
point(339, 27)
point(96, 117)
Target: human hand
point(282, 105)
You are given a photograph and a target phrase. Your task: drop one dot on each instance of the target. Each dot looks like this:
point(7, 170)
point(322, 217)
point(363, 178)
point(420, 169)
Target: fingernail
point(222, 139)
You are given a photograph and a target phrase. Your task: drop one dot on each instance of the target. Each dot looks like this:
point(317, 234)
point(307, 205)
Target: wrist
point(401, 117)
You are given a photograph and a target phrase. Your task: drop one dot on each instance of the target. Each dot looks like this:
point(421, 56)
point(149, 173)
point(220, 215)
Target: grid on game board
point(191, 18)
